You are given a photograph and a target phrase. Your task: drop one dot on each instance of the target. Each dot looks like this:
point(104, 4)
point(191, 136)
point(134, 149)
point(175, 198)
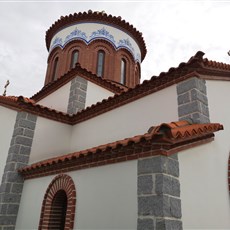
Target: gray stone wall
point(159, 204)
point(18, 156)
point(192, 100)
point(77, 95)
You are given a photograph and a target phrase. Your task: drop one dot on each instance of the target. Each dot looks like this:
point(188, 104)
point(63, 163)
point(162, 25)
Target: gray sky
point(173, 31)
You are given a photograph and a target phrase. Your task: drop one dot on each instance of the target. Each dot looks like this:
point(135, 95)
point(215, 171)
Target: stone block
point(18, 131)
point(167, 185)
point(83, 86)
point(5, 187)
point(154, 206)
point(3, 209)
point(25, 150)
point(21, 115)
point(172, 167)
point(200, 118)
point(27, 124)
point(175, 207)
point(10, 198)
point(81, 80)
point(23, 140)
point(154, 164)
point(29, 133)
point(12, 209)
point(7, 220)
point(197, 95)
point(145, 184)
point(17, 158)
point(167, 224)
point(16, 188)
point(31, 117)
point(14, 177)
point(8, 228)
point(189, 108)
point(145, 224)
point(183, 98)
point(14, 149)
point(190, 84)
point(10, 166)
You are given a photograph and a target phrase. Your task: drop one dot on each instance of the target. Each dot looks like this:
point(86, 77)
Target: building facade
point(95, 149)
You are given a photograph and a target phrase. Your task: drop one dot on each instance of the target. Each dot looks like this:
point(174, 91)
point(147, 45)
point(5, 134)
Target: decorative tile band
point(93, 31)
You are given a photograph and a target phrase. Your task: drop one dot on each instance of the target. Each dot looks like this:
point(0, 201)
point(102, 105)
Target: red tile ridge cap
point(82, 72)
point(174, 132)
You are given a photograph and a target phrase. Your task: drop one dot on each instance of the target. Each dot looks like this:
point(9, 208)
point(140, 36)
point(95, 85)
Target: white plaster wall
point(7, 121)
point(126, 121)
point(95, 94)
point(51, 139)
point(204, 169)
point(106, 198)
point(57, 100)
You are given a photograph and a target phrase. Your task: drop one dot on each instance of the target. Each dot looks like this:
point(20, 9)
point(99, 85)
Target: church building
point(97, 149)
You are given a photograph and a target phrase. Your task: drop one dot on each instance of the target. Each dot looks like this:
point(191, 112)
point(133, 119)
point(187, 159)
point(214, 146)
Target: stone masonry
point(192, 100)
point(77, 95)
point(18, 156)
point(159, 204)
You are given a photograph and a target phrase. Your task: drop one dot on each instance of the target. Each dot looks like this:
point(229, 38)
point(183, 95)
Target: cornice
point(165, 139)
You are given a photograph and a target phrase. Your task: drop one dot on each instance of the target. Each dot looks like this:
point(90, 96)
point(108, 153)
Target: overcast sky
point(173, 31)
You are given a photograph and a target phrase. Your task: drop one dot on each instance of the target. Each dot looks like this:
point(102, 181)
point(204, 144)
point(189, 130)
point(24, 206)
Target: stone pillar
point(192, 100)
point(77, 95)
point(18, 156)
point(159, 204)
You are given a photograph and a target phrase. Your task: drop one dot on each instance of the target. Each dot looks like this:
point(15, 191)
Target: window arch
point(123, 71)
point(55, 69)
point(74, 58)
point(58, 207)
point(100, 62)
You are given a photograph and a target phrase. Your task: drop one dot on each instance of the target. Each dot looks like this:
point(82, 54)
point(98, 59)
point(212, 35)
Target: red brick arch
point(62, 183)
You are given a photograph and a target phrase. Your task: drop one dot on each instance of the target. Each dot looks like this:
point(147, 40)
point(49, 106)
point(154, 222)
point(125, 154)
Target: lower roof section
point(165, 139)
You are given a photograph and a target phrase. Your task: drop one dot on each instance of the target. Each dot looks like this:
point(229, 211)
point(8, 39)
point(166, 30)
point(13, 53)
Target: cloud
point(173, 30)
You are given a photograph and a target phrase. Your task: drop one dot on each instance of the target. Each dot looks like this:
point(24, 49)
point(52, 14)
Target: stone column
point(159, 204)
point(77, 95)
point(18, 156)
point(192, 100)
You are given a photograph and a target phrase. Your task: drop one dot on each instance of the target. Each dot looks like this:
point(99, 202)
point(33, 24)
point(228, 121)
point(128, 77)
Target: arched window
point(74, 58)
point(55, 69)
point(58, 211)
point(58, 207)
point(100, 63)
point(123, 71)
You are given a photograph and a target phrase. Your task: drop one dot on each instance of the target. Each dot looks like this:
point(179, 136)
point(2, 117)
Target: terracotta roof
point(28, 105)
point(195, 67)
point(78, 71)
point(164, 139)
point(95, 16)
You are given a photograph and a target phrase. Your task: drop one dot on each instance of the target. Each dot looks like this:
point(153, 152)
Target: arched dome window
point(55, 69)
point(74, 58)
point(100, 63)
point(123, 71)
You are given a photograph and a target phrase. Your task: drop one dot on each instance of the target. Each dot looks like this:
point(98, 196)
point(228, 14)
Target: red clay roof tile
point(195, 67)
point(78, 71)
point(165, 139)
